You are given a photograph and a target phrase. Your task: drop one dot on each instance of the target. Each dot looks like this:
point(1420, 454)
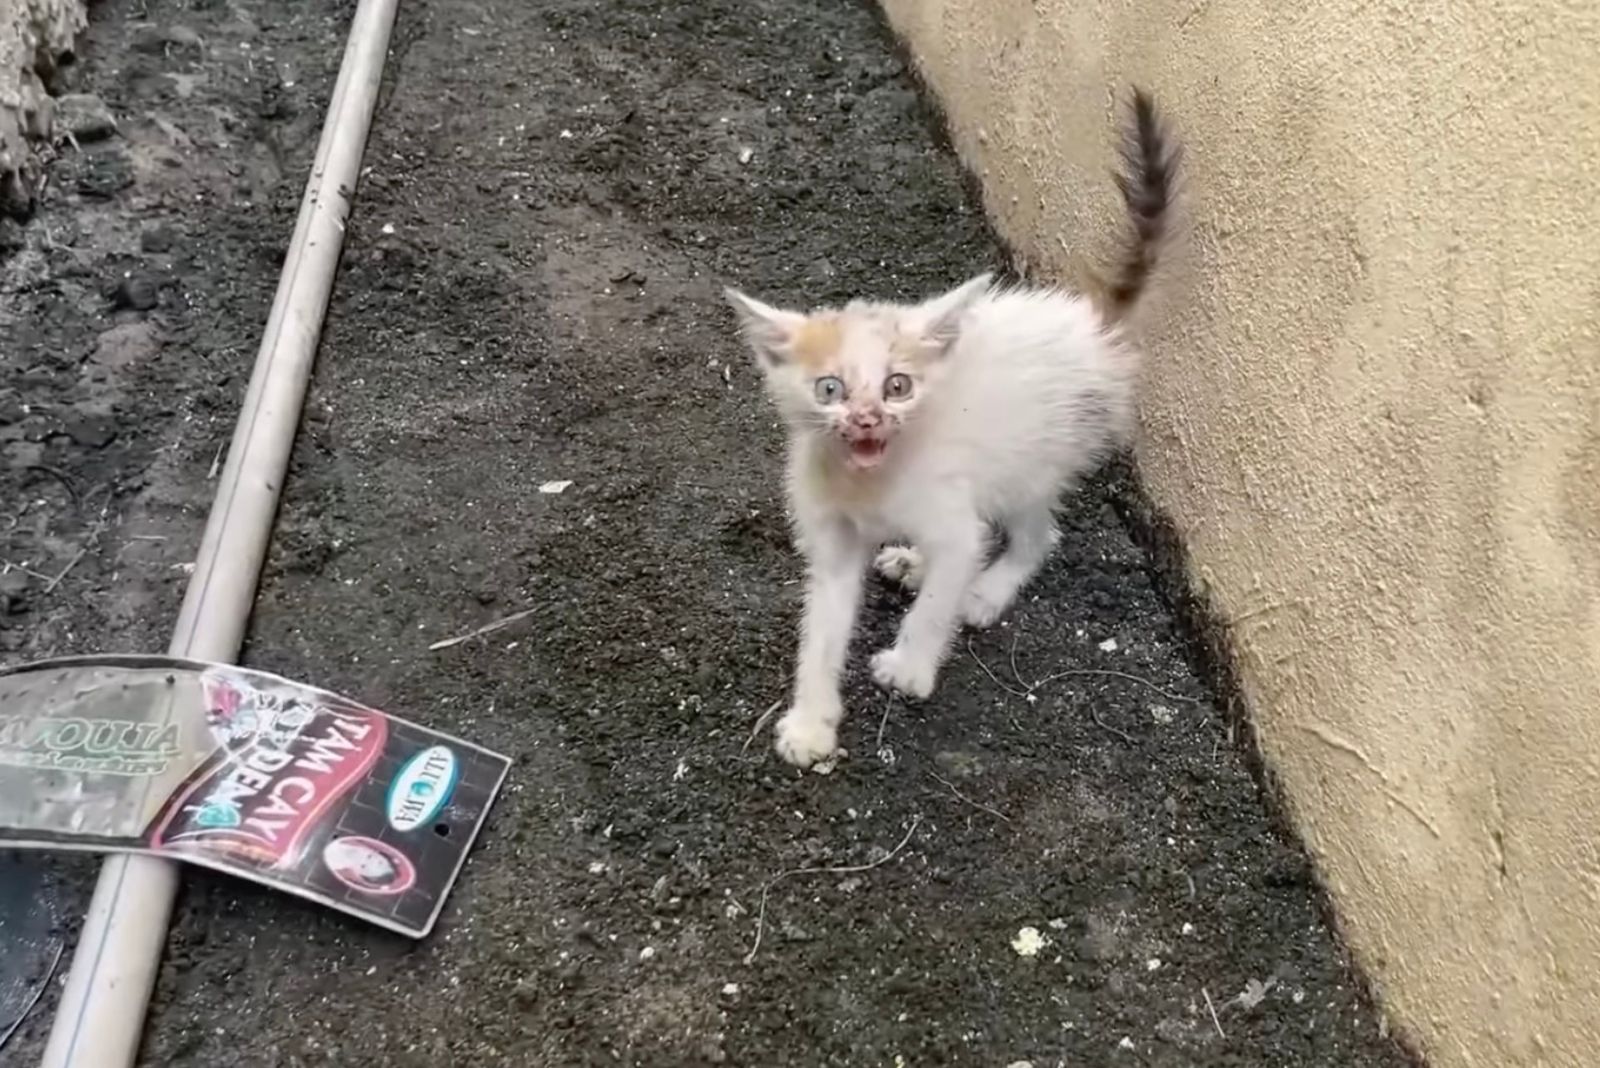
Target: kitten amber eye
point(897, 387)
point(830, 390)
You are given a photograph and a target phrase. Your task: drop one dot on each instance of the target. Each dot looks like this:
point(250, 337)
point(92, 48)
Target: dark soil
point(556, 192)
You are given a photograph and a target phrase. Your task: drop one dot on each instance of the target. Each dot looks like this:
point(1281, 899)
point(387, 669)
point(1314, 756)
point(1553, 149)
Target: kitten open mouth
point(866, 452)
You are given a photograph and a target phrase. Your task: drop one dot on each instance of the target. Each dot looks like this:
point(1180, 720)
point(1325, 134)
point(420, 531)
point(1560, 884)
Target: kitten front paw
point(901, 564)
point(914, 676)
point(805, 737)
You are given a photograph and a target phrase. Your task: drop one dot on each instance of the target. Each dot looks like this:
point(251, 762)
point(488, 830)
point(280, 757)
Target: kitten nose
point(866, 419)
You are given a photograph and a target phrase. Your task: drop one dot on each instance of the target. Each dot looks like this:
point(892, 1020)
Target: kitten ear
point(939, 319)
point(767, 330)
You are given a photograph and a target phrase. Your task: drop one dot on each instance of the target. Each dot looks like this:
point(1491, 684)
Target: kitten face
point(854, 376)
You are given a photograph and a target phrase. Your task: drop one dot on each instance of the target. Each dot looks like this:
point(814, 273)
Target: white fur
point(1017, 394)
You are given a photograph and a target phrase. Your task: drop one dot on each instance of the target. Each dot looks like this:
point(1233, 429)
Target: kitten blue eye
point(897, 387)
point(830, 390)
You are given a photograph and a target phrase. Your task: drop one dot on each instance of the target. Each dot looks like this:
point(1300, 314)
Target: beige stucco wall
point(1373, 410)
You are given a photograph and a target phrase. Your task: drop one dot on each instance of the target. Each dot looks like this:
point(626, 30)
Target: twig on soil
point(61, 477)
point(1016, 672)
point(53, 583)
point(762, 722)
point(975, 804)
point(1103, 725)
point(1029, 689)
point(995, 678)
point(888, 706)
point(1213, 1010)
point(849, 869)
point(33, 1002)
point(216, 462)
point(487, 628)
point(7, 565)
point(1107, 673)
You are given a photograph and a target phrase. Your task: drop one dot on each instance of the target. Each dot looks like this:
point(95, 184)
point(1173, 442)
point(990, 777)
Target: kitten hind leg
point(911, 665)
point(902, 564)
point(1031, 535)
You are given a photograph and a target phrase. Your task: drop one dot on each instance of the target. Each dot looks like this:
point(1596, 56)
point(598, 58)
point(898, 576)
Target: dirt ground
point(554, 195)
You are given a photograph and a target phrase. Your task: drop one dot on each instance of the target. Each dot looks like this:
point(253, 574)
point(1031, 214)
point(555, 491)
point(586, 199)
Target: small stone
point(105, 175)
point(1173, 1030)
point(84, 117)
point(166, 40)
point(158, 238)
point(91, 431)
point(12, 238)
point(1028, 942)
point(958, 764)
point(1099, 941)
point(647, 953)
point(821, 270)
point(137, 291)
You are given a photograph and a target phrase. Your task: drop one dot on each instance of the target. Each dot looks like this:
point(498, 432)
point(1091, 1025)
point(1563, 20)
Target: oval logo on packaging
point(421, 788)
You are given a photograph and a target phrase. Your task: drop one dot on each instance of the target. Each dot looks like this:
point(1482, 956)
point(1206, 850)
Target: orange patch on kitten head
point(816, 342)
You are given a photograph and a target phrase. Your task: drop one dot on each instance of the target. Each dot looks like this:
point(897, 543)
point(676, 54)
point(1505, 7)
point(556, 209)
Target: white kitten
point(927, 423)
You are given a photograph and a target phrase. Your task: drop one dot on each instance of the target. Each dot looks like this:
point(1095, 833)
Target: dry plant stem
point(63, 573)
point(1213, 1010)
point(1013, 691)
point(888, 706)
point(1103, 725)
point(975, 804)
point(33, 1002)
point(488, 628)
point(1108, 673)
point(761, 910)
point(7, 565)
point(61, 477)
point(1028, 689)
point(760, 723)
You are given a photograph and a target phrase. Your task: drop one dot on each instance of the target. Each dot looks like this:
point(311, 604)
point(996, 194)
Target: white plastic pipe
point(102, 1010)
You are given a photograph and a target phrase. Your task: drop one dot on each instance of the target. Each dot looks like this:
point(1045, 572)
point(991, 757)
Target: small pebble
point(1029, 942)
point(84, 116)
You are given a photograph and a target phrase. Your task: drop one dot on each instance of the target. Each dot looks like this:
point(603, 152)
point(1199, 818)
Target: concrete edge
point(1207, 640)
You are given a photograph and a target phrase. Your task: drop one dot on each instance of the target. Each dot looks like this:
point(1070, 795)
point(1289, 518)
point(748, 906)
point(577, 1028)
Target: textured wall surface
point(32, 34)
point(1373, 410)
